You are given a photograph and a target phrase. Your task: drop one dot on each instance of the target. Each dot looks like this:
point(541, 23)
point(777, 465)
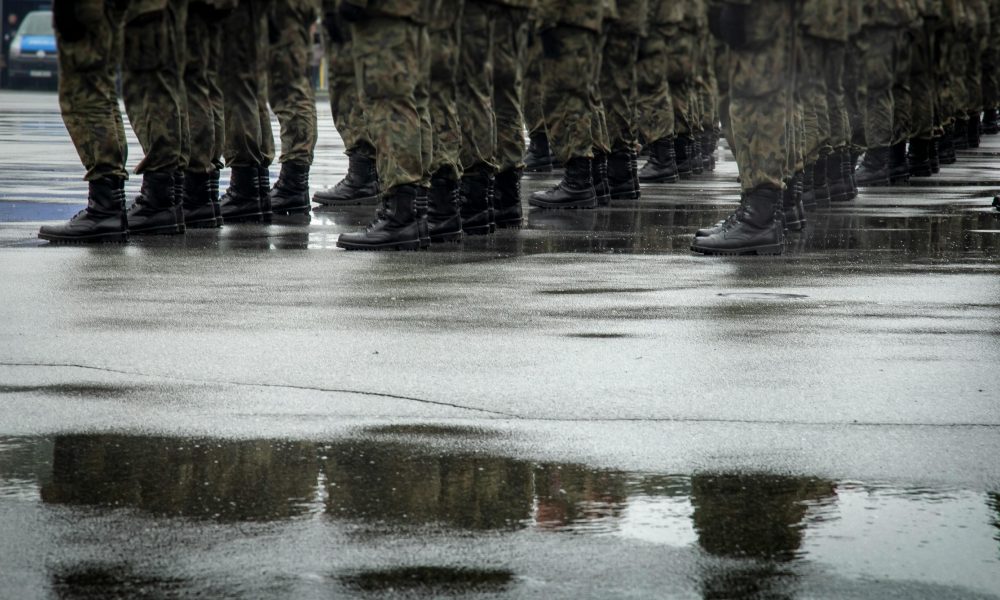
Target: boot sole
point(351, 202)
point(767, 250)
point(303, 210)
point(447, 238)
point(512, 224)
point(104, 238)
point(412, 246)
point(258, 218)
point(164, 230)
point(584, 204)
point(203, 224)
point(480, 230)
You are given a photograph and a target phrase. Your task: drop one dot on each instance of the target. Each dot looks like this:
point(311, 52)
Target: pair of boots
point(539, 157)
point(251, 199)
point(156, 210)
point(359, 186)
point(754, 228)
point(490, 201)
point(884, 166)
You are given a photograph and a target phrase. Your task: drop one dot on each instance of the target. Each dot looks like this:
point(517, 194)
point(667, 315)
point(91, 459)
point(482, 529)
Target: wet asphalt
point(580, 409)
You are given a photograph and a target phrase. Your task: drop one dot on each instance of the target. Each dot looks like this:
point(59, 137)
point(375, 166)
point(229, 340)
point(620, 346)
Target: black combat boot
point(538, 157)
point(754, 230)
point(507, 212)
point(874, 169)
point(576, 190)
point(820, 187)
point(692, 156)
point(708, 143)
point(103, 220)
point(154, 211)
point(621, 176)
point(662, 164)
point(476, 193)
point(290, 194)
point(793, 213)
point(599, 175)
point(396, 226)
point(241, 202)
point(808, 189)
point(848, 163)
point(899, 167)
point(974, 130)
point(960, 134)
point(199, 213)
point(919, 158)
point(264, 192)
point(991, 121)
point(633, 166)
point(359, 186)
point(420, 207)
point(946, 146)
point(444, 220)
point(683, 153)
point(935, 156)
point(213, 182)
point(836, 179)
point(722, 223)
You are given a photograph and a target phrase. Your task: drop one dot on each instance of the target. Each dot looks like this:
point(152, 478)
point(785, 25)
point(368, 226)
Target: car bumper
point(41, 69)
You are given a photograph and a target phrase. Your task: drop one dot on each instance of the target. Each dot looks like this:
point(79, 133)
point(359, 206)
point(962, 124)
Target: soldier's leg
point(599, 124)
point(761, 98)
point(267, 147)
point(387, 54)
point(655, 107)
point(152, 86)
point(991, 73)
point(811, 83)
point(682, 45)
point(89, 43)
point(360, 185)
point(475, 101)
point(708, 98)
point(200, 205)
point(839, 167)
point(444, 220)
point(539, 155)
point(855, 95)
point(292, 98)
point(509, 52)
point(877, 70)
point(923, 93)
point(902, 114)
point(567, 74)
point(618, 90)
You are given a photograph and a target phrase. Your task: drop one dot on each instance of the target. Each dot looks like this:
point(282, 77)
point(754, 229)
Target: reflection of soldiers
point(568, 494)
point(396, 484)
point(229, 481)
point(753, 517)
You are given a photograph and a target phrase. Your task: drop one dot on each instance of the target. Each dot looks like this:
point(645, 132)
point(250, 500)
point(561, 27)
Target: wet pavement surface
point(579, 409)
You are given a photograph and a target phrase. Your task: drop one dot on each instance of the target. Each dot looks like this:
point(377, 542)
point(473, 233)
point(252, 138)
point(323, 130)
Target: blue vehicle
point(32, 56)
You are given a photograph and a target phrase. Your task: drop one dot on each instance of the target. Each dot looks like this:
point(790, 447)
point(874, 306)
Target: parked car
point(32, 56)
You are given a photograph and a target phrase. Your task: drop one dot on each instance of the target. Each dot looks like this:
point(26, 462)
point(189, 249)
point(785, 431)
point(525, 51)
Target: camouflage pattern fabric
point(812, 90)
point(342, 85)
point(204, 98)
point(444, 31)
point(599, 120)
point(923, 83)
point(248, 138)
point(585, 14)
point(152, 87)
point(979, 44)
point(878, 45)
point(654, 101)
point(568, 91)
point(902, 97)
point(391, 58)
point(836, 99)
point(682, 58)
point(534, 117)
point(88, 100)
point(618, 85)
point(475, 86)
point(290, 91)
point(510, 46)
point(991, 59)
point(706, 81)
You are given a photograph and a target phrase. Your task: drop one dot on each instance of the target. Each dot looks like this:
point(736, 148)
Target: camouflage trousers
point(392, 63)
point(923, 84)
point(681, 75)
point(878, 46)
point(345, 104)
point(706, 84)
point(88, 100)
point(568, 82)
point(654, 102)
point(812, 91)
point(475, 86)
point(249, 141)
point(510, 48)
point(290, 91)
point(152, 87)
point(991, 60)
point(534, 117)
point(618, 88)
point(599, 122)
point(760, 83)
point(836, 98)
point(446, 127)
point(205, 125)
point(855, 91)
point(902, 97)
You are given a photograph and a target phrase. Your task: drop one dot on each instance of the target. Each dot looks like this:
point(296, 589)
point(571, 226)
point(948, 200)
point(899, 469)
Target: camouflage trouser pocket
point(147, 42)
point(94, 50)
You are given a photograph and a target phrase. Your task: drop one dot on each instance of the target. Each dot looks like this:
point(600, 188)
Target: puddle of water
point(777, 530)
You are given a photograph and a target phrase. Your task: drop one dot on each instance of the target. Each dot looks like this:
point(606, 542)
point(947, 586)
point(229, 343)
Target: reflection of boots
point(241, 202)
point(874, 169)
point(662, 164)
point(599, 175)
point(538, 157)
point(290, 194)
point(444, 221)
point(103, 220)
point(919, 158)
point(507, 199)
point(359, 186)
point(396, 226)
point(755, 230)
point(576, 190)
point(154, 210)
point(622, 176)
point(476, 193)
point(199, 213)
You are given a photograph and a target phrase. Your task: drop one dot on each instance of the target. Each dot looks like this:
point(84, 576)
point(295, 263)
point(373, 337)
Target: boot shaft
point(157, 190)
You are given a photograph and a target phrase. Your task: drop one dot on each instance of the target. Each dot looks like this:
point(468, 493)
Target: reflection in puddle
point(742, 532)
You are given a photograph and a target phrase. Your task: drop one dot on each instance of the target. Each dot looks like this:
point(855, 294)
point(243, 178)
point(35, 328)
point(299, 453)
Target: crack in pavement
point(502, 413)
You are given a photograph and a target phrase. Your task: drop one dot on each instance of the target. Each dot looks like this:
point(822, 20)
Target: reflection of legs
point(567, 76)
point(388, 55)
point(291, 96)
point(89, 106)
